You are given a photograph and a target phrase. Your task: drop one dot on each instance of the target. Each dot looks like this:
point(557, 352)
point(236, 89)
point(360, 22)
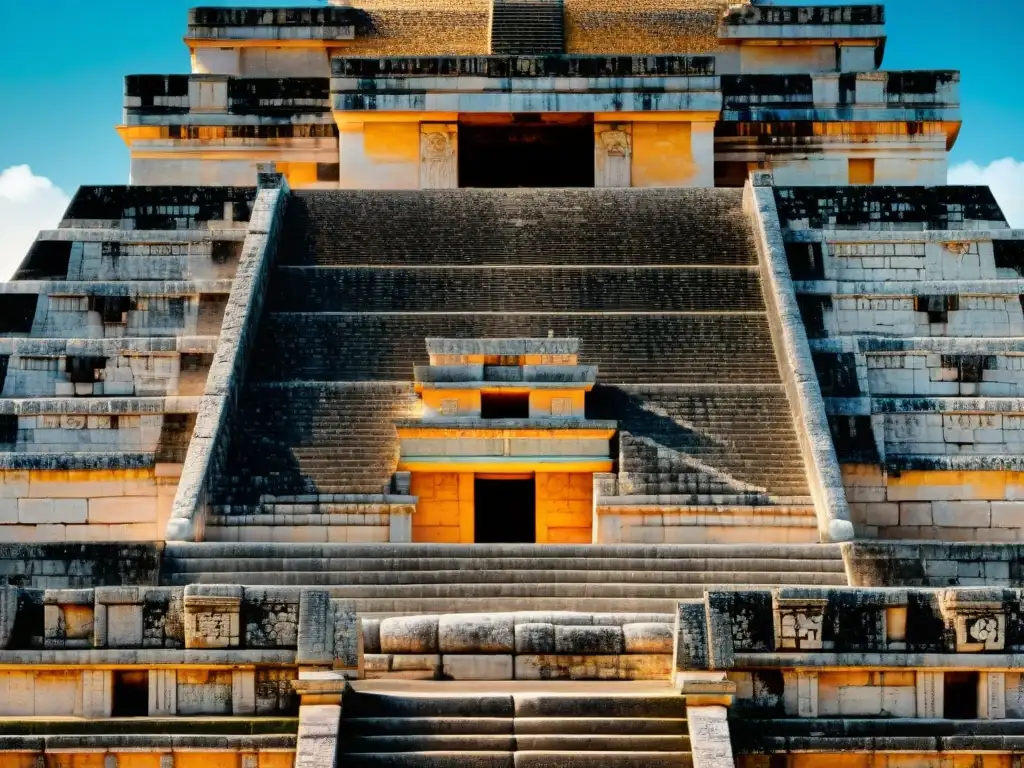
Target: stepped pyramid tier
point(519, 383)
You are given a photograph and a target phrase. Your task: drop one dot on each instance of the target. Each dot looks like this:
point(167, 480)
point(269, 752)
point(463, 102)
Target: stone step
point(521, 589)
point(602, 726)
point(613, 706)
point(441, 726)
point(348, 744)
point(585, 553)
point(362, 704)
point(457, 289)
point(603, 760)
point(518, 226)
point(494, 570)
point(430, 760)
point(554, 742)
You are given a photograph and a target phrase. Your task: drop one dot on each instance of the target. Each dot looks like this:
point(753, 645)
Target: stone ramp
point(611, 725)
point(396, 579)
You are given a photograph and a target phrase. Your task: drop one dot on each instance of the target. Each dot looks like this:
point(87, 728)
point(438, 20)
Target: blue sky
point(63, 64)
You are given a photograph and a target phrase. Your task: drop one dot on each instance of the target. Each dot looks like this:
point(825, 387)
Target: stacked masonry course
point(520, 383)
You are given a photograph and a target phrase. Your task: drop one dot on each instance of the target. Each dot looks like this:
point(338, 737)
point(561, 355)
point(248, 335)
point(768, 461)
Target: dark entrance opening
point(498, 405)
point(131, 694)
point(505, 512)
point(526, 153)
point(960, 695)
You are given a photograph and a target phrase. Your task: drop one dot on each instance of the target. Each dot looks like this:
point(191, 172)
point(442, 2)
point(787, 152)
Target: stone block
point(316, 628)
point(163, 693)
point(409, 634)
point(477, 666)
point(915, 513)
point(8, 511)
point(535, 638)
point(124, 626)
point(371, 636)
point(962, 514)
point(1008, 514)
point(648, 637)
point(416, 665)
point(476, 633)
point(648, 666)
point(123, 509)
point(709, 737)
point(212, 616)
point(586, 641)
point(243, 692)
point(97, 693)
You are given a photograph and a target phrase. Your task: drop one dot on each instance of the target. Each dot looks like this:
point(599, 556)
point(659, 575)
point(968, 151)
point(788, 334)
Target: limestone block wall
point(130, 303)
point(565, 508)
point(444, 510)
point(143, 261)
point(944, 505)
point(49, 505)
point(912, 302)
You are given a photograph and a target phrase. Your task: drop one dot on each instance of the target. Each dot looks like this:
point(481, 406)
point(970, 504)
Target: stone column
point(8, 613)
point(930, 703)
point(992, 695)
point(243, 692)
point(163, 693)
point(439, 156)
point(97, 693)
point(613, 154)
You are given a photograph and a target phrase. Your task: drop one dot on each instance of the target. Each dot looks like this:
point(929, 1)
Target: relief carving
point(616, 143)
point(438, 166)
point(799, 623)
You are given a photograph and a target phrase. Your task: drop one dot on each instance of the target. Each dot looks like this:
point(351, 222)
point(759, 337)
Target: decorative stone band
point(800, 378)
point(238, 332)
point(850, 627)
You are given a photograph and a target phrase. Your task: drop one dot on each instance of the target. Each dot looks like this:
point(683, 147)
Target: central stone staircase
point(527, 27)
point(396, 579)
point(529, 729)
point(662, 288)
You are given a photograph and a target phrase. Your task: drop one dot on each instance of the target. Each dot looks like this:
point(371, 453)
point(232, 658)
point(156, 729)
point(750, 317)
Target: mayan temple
point(519, 384)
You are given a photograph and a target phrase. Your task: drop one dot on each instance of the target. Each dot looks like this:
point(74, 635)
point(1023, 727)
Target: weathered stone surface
point(588, 640)
point(477, 667)
point(535, 638)
point(8, 613)
point(476, 633)
point(316, 628)
point(414, 634)
point(317, 745)
point(647, 638)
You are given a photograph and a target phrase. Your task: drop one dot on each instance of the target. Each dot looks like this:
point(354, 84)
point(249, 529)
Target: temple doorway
point(526, 150)
point(505, 511)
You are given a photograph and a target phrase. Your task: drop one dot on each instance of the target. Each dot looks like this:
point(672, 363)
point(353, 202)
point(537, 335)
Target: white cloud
point(1005, 177)
point(28, 203)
